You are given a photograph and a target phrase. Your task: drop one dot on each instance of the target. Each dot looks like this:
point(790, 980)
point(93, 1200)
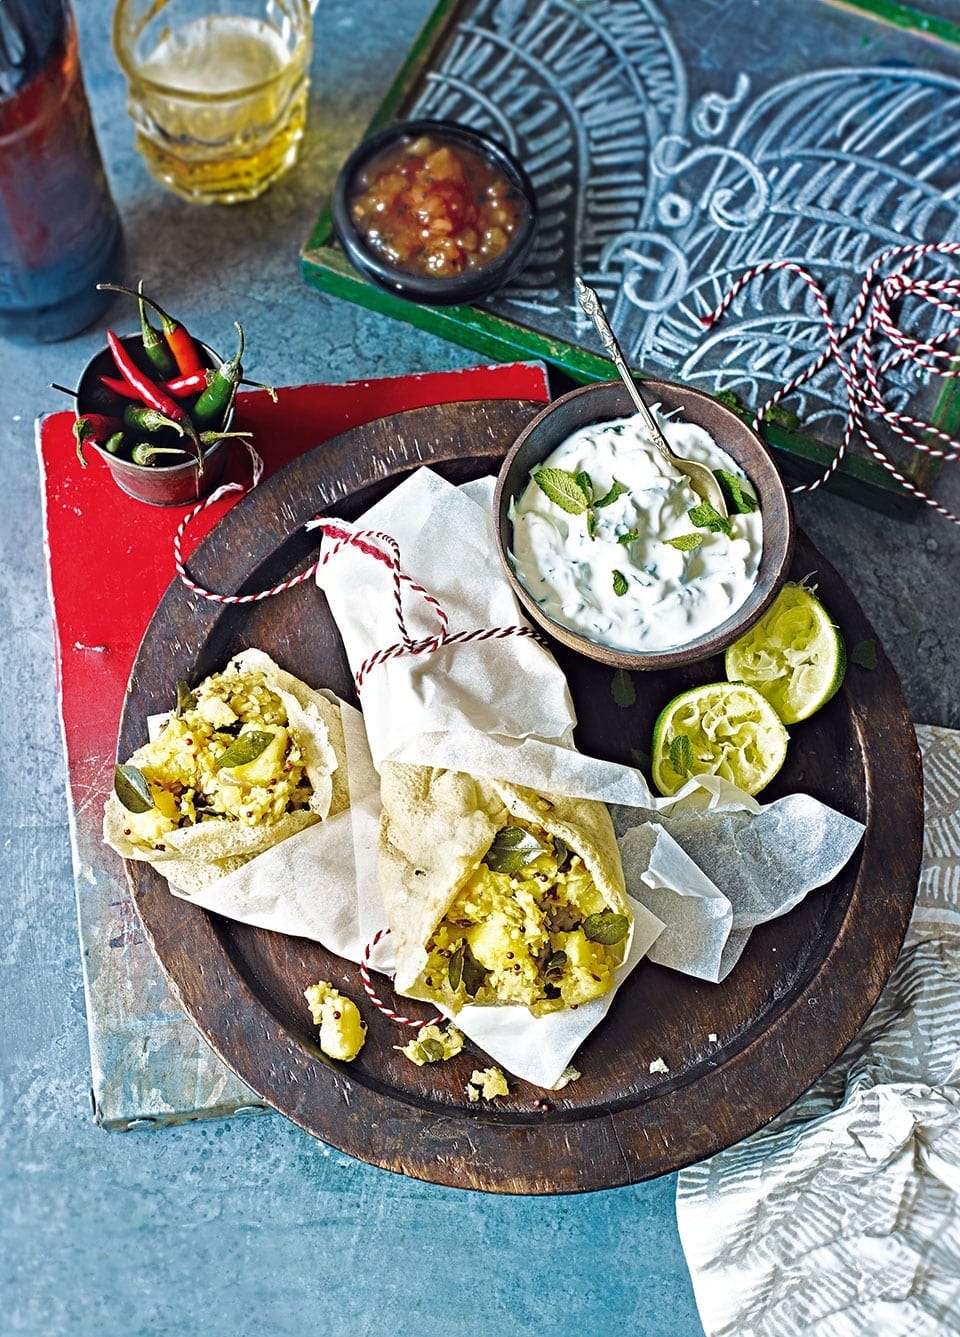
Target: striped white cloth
point(842, 1217)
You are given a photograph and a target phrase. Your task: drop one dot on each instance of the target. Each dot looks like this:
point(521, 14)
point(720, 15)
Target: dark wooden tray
point(797, 997)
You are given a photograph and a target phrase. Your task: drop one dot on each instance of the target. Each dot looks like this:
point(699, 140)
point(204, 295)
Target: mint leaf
point(629, 536)
point(591, 525)
point(685, 542)
point(729, 398)
point(741, 501)
point(864, 654)
point(620, 584)
point(782, 417)
point(585, 483)
point(562, 488)
point(706, 516)
point(681, 754)
point(617, 490)
point(623, 689)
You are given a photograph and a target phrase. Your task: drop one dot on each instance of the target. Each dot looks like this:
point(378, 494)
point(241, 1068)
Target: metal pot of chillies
point(156, 406)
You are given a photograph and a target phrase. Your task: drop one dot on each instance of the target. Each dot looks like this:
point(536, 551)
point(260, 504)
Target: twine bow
point(381, 547)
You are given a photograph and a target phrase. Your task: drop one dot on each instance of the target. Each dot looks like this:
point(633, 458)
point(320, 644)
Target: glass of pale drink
point(217, 90)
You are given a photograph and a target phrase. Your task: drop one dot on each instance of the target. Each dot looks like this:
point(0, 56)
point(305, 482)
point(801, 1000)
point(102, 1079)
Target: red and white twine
point(378, 1002)
point(860, 372)
point(384, 549)
point(872, 316)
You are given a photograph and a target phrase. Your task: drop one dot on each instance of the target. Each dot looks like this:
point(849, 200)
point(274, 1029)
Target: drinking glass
point(217, 90)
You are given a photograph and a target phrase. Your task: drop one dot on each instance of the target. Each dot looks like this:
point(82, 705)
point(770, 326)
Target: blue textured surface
point(250, 1226)
point(246, 1225)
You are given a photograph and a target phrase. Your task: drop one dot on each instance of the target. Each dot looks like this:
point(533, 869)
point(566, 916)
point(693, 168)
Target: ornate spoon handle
point(591, 305)
point(701, 479)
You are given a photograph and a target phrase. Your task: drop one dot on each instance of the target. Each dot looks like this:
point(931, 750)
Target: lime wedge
point(724, 728)
point(794, 655)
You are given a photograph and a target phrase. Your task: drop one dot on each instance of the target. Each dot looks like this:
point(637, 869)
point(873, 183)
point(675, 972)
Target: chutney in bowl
point(435, 211)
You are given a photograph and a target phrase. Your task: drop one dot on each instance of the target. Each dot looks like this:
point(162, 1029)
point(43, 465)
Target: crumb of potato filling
point(342, 1029)
point(432, 1045)
point(487, 1083)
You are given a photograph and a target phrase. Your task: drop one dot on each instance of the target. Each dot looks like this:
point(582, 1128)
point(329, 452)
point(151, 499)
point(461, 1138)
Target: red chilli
point(181, 387)
point(151, 393)
point(181, 343)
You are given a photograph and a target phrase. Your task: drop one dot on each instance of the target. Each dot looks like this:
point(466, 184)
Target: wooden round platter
point(736, 1053)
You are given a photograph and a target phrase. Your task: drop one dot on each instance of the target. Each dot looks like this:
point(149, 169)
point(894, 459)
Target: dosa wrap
point(437, 825)
point(197, 855)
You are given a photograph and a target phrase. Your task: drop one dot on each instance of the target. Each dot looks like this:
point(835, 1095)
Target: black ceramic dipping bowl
point(436, 290)
point(601, 403)
point(159, 485)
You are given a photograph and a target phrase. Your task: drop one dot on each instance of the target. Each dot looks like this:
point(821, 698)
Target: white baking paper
point(702, 868)
point(308, 886)
point(501, 708)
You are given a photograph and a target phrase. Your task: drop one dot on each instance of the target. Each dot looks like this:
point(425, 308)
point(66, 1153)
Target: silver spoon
point(701, 479)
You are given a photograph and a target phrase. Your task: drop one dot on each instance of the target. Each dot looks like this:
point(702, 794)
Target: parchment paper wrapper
point(701, 868)
point(309, 886)
point(713, 863)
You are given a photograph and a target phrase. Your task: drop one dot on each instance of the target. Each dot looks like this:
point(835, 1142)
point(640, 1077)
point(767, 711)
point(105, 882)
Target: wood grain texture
point(797, 997)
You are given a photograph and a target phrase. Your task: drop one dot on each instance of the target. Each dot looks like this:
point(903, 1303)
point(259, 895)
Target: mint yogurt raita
point(612, 542)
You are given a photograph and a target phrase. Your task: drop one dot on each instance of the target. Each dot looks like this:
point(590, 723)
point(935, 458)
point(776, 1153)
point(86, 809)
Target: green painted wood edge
point(946, 417)
point(906, 17)
point(492, 336)
point(484, 332)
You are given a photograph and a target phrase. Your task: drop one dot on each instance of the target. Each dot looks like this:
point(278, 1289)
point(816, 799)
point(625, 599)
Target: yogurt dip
point(610, 572)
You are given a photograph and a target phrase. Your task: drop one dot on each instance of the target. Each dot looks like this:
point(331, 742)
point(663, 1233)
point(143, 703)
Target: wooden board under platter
point(798, 996)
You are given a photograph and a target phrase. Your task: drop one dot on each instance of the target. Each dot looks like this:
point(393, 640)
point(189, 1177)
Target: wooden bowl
point(601, 403)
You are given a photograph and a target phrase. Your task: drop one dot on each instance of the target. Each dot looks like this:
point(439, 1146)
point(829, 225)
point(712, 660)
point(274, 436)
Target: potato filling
point(226, 753)
point(529, 927)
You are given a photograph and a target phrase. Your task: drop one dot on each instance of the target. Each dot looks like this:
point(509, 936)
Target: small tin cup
point(159, 485)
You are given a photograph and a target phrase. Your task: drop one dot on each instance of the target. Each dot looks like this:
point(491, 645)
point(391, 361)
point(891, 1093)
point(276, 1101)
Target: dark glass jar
point(60, 233)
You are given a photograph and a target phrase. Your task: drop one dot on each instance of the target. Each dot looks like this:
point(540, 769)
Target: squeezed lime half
point(724, 728)
point(794, 656)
